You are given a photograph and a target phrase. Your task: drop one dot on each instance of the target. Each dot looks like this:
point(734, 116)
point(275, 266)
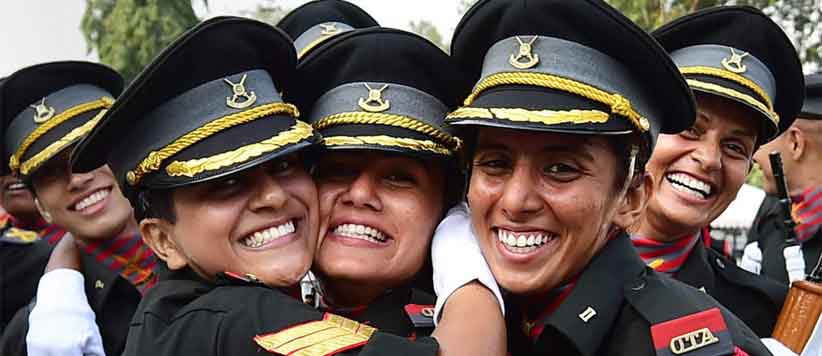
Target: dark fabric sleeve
point(13, 340)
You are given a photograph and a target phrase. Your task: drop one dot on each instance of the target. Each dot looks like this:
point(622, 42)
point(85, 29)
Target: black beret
point(208, 106)
point(739, 53)
point(812, 107)
point(383, 89)
point(50, 106)
point(316, 21)
point(567, 66)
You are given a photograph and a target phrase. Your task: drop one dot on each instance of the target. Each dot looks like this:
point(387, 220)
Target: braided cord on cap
point(619, 105)
point(727, 75)
point(155, 159)
point(388, 141)
point(102, 103)
point(773, 116)
point(56, 146)
point(405, 122)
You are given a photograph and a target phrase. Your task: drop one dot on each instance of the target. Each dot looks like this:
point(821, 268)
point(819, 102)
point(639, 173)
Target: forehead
point(536, 141)
point(719, 112)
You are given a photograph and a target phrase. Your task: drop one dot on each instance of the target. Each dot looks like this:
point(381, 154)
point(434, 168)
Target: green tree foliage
point(128, 34)
point(800, 19)
point(268, 11)
point(428, 30)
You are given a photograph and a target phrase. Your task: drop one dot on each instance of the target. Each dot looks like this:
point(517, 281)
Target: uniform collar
point(386, 313)
point(697, 271)
point(587, 316)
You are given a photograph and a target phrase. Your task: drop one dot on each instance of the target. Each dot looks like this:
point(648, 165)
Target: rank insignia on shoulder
point(700, 334)
point(422, 316)
point(18, 236)
point(329, 336)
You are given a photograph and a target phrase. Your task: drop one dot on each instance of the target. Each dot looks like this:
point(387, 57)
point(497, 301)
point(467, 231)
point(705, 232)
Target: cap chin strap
point(631, 167)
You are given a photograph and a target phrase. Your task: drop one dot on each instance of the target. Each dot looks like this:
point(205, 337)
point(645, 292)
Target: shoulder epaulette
point(422, 316)
point(329, 336)
point(18, 236)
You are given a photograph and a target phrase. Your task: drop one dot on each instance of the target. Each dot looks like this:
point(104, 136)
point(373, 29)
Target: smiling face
point(379, 213)
point(16, 199)
point(89, 205)
point(698, 172)
point(541, 204)
point(262, 221)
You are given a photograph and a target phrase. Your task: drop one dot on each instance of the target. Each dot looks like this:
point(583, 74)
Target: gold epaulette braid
point(727, 75)
point(618, 104)
point(405, 122)
point(102, 103)
point(155, 158)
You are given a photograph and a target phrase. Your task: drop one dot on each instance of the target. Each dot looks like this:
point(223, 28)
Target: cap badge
point(241, 98)
point(42, 112)
point(734, 62)
point(524, 52)
point(329, 29)
point(374, 102)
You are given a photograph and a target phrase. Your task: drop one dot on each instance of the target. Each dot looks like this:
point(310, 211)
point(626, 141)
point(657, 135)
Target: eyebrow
point(571, 149)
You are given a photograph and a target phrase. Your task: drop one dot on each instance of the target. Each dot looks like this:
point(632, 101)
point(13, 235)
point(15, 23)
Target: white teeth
point(263, 237)
point(92, 199)
point(522, 242)
point(361, 232)
point(16, 186)
point(681, 181)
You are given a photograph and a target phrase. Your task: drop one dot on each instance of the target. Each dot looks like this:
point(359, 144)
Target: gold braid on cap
point(384, 140)
point(52, 149)
point(772, 115)
point(619, 105)
point(102, 103)
point(728, 75)
point(155, 159)
point(405, 122)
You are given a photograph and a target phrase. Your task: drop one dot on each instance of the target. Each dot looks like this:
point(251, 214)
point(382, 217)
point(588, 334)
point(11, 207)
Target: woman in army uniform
point(569, 100)
point(217, 169)
point(748, 85)
point(47, 108)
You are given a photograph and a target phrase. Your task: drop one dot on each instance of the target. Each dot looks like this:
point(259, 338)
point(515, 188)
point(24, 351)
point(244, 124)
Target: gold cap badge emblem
point(329, 29)
point(42, 112)
point(241, 98)
point(734, 62)
point(524, 52)
point(374, 102)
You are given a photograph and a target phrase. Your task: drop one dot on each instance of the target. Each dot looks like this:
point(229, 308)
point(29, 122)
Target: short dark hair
point(155, 204)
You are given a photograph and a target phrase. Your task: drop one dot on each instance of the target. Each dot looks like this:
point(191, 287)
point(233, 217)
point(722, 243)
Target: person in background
point(46, 109)
point(801, 149)
point(747, 80)
point(25, 243)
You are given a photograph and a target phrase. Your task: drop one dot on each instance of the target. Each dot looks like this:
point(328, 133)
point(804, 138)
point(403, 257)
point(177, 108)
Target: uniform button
point(720, 263)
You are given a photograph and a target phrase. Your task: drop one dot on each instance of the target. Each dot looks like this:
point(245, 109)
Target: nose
point(270, 193)
point(362, 192)
point(709, 155)
point(78, 181)
point(519, 199)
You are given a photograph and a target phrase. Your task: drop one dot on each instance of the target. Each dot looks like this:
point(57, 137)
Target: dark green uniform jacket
point(407, 312)
point(21, 265)
point(621, 307)
point(112, 298)
point(756, 300)
point(770, 232)
point(184, 315)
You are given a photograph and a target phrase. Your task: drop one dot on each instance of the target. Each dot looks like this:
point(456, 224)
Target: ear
point(43, 212)
point(796, 143)
point(634, 202)
point(158, 235)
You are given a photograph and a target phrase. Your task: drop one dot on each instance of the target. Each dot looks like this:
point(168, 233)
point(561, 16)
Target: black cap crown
point(207, 106)
point(316, 21)
point(567, 66)
point(48, 107)
point(382, 89)
point(812, 107)
point(737, 52)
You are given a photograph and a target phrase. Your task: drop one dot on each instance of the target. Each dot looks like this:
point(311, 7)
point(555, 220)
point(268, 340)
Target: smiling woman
point(557, 157)
point(736, 70)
